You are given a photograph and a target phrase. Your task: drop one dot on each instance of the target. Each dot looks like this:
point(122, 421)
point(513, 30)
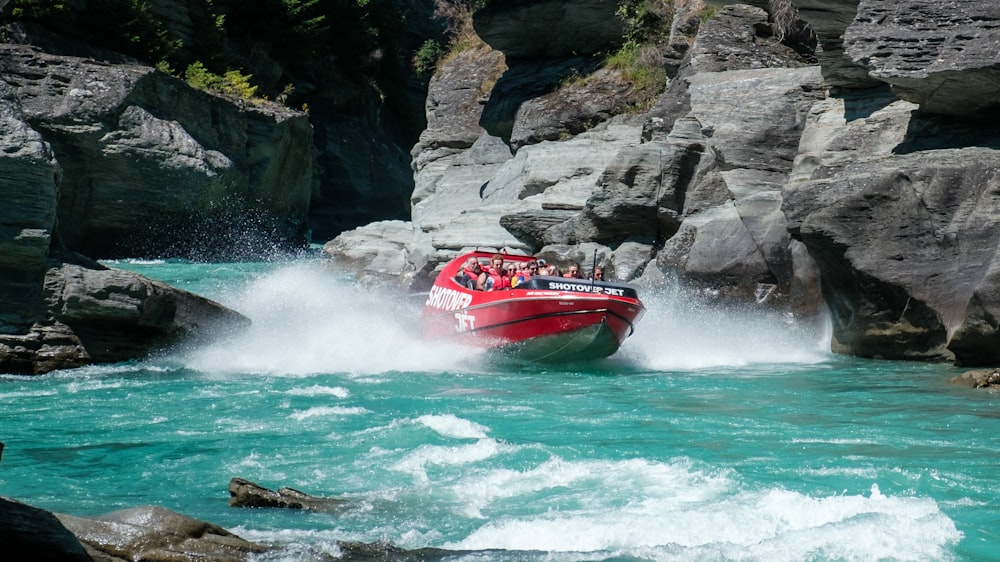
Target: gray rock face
point(719, 172)
point(116, 159)
point(943, 56)
point(906, 241)
point(766, 172)
point(152, 167)
point(28, 187)
point(828, 20)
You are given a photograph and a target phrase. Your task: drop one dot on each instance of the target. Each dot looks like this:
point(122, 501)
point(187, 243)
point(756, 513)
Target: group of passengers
point(498, 275)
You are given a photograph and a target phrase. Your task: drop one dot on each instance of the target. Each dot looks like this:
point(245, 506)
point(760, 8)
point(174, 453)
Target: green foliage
point(164, 67)
point(232, 82)
point(646, 21)
point(427, 56)
point(37, 10)
point(199, 77)
point(236, 83)
point(646, 28)
point(707, 13)
point(125, 26)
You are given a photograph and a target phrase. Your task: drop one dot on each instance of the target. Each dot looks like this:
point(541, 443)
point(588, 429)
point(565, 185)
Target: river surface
point(712, 435)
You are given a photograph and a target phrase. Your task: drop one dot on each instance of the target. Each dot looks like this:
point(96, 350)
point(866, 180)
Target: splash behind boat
point(543, 319)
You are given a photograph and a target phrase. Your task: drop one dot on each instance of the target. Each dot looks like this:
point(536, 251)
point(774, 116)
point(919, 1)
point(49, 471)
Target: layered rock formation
point(115, 159)
point(149, 164)
point(801, 157)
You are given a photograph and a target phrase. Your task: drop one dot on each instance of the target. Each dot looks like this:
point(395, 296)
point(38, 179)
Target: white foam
point(416, 462)
point(449, 425)
point(679, 513)
point(679, 332)
point(320, 390)
point(307, 321)
point(322, 411)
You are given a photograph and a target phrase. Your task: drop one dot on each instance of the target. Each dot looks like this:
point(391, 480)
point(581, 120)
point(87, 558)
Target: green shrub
point(232, 82)
point(638, 64)
point(200, 78)
point(646, 28)
point(426, 58)
point(236, 83)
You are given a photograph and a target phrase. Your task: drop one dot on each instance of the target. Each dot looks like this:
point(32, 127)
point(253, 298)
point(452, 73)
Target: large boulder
point(93, 314)
point(156, 534)
point(120, 315)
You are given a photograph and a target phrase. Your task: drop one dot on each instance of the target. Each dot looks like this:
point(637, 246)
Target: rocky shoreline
point(156, 534)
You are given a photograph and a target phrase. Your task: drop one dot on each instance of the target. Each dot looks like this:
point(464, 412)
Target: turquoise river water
point(712, 435)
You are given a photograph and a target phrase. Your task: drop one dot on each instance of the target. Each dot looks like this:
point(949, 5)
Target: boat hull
point(556, 327)
point(550, 320)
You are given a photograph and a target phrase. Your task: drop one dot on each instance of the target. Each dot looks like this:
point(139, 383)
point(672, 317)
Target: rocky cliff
point(146, 160)
point(109, 159)
point(803, 155)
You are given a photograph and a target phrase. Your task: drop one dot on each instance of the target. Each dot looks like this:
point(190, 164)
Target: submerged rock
point(244, 493)
point(980, 378)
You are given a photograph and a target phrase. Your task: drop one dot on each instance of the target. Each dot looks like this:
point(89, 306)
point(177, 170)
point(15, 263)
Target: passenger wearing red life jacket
point(497, 277)
point(474, 274)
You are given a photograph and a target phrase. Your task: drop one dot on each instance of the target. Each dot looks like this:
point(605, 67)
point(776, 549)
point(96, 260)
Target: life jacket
point(500, 281)
point(472, 278)
point(521, 277)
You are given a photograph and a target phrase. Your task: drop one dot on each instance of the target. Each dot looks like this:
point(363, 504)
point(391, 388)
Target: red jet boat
point(545, 318)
